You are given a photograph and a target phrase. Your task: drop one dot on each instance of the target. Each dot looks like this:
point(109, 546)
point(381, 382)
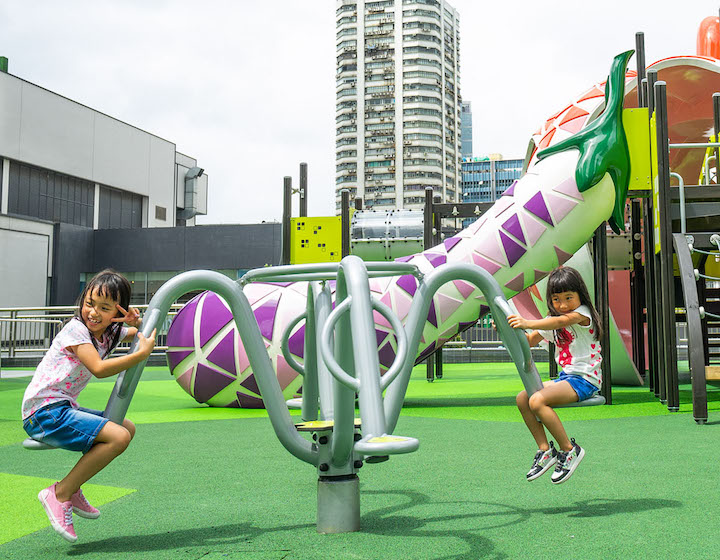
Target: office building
point(81, 191)
point(398, 101)
point(485, 179)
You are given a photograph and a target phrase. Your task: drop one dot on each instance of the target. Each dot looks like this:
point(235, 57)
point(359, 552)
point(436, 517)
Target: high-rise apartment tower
point(398, 101)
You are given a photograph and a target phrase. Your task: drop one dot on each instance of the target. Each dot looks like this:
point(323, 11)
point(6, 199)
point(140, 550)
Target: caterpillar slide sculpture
point(540, 222)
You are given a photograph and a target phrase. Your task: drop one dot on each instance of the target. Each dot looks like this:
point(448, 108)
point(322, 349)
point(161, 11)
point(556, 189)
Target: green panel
point(635, 122)
point(25, 515)
point(315, 240)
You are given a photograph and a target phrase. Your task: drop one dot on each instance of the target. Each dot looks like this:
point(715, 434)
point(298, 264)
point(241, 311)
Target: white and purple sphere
point(207, 358)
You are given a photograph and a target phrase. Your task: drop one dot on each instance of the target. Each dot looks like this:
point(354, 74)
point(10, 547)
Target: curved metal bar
point(323, 308)
point(343, 396)
point(323, 271)
point(285, 344)
point(706, 167)
point(309, 408)
point(710, 253)
point(514, 339)
point(366, 363)
point(402, 346)
point(696, 348)
point(699, 275)
point(249, 331)
point(327, 354)
point(334, 367)
point(681, 188)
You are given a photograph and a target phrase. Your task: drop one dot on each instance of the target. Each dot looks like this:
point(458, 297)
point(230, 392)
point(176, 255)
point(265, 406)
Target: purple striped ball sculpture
point(208, 360)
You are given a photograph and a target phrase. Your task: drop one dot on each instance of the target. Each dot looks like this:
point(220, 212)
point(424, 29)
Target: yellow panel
point(635, 122)
point(314, 240)
point(654, 162)
point(712, 266)
point(709, 152)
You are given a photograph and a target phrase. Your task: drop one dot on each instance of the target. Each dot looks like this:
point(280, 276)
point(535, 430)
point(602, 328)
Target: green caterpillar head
point(603, 146)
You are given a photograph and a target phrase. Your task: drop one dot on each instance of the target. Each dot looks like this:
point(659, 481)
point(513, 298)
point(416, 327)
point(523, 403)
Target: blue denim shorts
point(61, 425)
point(580, 385)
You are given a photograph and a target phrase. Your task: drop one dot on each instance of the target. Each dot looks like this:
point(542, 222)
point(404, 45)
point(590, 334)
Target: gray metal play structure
point(340, 362)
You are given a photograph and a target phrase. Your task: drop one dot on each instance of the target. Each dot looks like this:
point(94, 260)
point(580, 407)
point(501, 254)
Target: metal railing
point(28, 331)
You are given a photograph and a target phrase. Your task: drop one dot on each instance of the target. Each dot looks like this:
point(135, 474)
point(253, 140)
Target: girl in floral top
point(574, 327)
point(50, 410)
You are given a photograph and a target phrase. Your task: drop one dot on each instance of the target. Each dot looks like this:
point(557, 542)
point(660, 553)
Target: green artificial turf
point(222, 487)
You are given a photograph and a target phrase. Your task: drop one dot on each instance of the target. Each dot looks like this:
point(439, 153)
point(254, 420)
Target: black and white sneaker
point(567, 463)
point(542, 462)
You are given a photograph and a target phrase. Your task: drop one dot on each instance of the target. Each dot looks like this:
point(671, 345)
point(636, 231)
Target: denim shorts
point(61, 425)
point(580, 385)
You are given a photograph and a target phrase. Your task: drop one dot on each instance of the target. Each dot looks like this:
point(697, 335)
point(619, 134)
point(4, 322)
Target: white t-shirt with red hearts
point(581, 355)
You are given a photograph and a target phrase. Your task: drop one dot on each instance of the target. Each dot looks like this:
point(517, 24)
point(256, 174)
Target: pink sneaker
point(59, 513)
point(82, 507)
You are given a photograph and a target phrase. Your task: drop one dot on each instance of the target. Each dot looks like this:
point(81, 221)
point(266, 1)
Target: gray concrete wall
point(25, 261)
point(47, 130)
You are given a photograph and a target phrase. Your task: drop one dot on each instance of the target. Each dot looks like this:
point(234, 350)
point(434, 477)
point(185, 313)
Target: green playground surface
point(211, 484)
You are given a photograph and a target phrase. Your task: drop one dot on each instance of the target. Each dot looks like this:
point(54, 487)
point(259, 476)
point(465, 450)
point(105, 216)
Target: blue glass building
point(466, 146)
point(485, 179)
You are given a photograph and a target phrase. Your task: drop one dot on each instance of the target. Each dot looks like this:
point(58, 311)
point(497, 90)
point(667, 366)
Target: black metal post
point(345, 222)
point(651, 276)
point(650, 304)
point(716, 122)
point(602, 304)
point(651, 79)
point(637, 295)
point(303, 190)
point(640, 60)
point(358, 203)
point(437, 219)
point(428, 219)
point(287, 213)
point(427, 243)
point(553, 367)
point(667, 280)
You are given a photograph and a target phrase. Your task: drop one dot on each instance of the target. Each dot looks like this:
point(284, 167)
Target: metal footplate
point(30, 443)
point(386, 445)
point(592, 401)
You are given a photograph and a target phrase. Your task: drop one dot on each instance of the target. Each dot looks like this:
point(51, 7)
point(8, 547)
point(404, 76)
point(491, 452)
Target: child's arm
point(131, 332)
point(533, 338)
point(88, 355)
point(550, 323)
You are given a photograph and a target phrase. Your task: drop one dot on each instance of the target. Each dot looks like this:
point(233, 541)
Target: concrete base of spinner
point(338, 504)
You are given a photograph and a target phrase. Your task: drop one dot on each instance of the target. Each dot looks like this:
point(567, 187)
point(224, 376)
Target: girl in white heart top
point(50, 410)
point(574, 327)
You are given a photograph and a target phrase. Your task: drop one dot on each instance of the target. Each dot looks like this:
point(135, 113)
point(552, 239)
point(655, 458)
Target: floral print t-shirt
point(61, 375)
point(577, 352)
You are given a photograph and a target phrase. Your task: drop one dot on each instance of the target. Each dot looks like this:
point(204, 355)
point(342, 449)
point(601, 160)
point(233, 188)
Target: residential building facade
point(397, 101)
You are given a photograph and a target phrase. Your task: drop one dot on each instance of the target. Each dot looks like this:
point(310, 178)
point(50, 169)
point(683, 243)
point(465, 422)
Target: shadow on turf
point(216, 538)
point(395, 521)
point(429, 521)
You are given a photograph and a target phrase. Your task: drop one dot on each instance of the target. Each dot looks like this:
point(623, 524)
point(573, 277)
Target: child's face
point(565, 302)
point(98, 310)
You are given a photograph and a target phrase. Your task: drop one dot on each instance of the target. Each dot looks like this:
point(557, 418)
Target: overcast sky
point(248, 87)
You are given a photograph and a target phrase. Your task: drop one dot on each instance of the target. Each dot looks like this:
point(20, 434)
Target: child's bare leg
point(112, 440)
point(531, 421)
point(541, 403)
